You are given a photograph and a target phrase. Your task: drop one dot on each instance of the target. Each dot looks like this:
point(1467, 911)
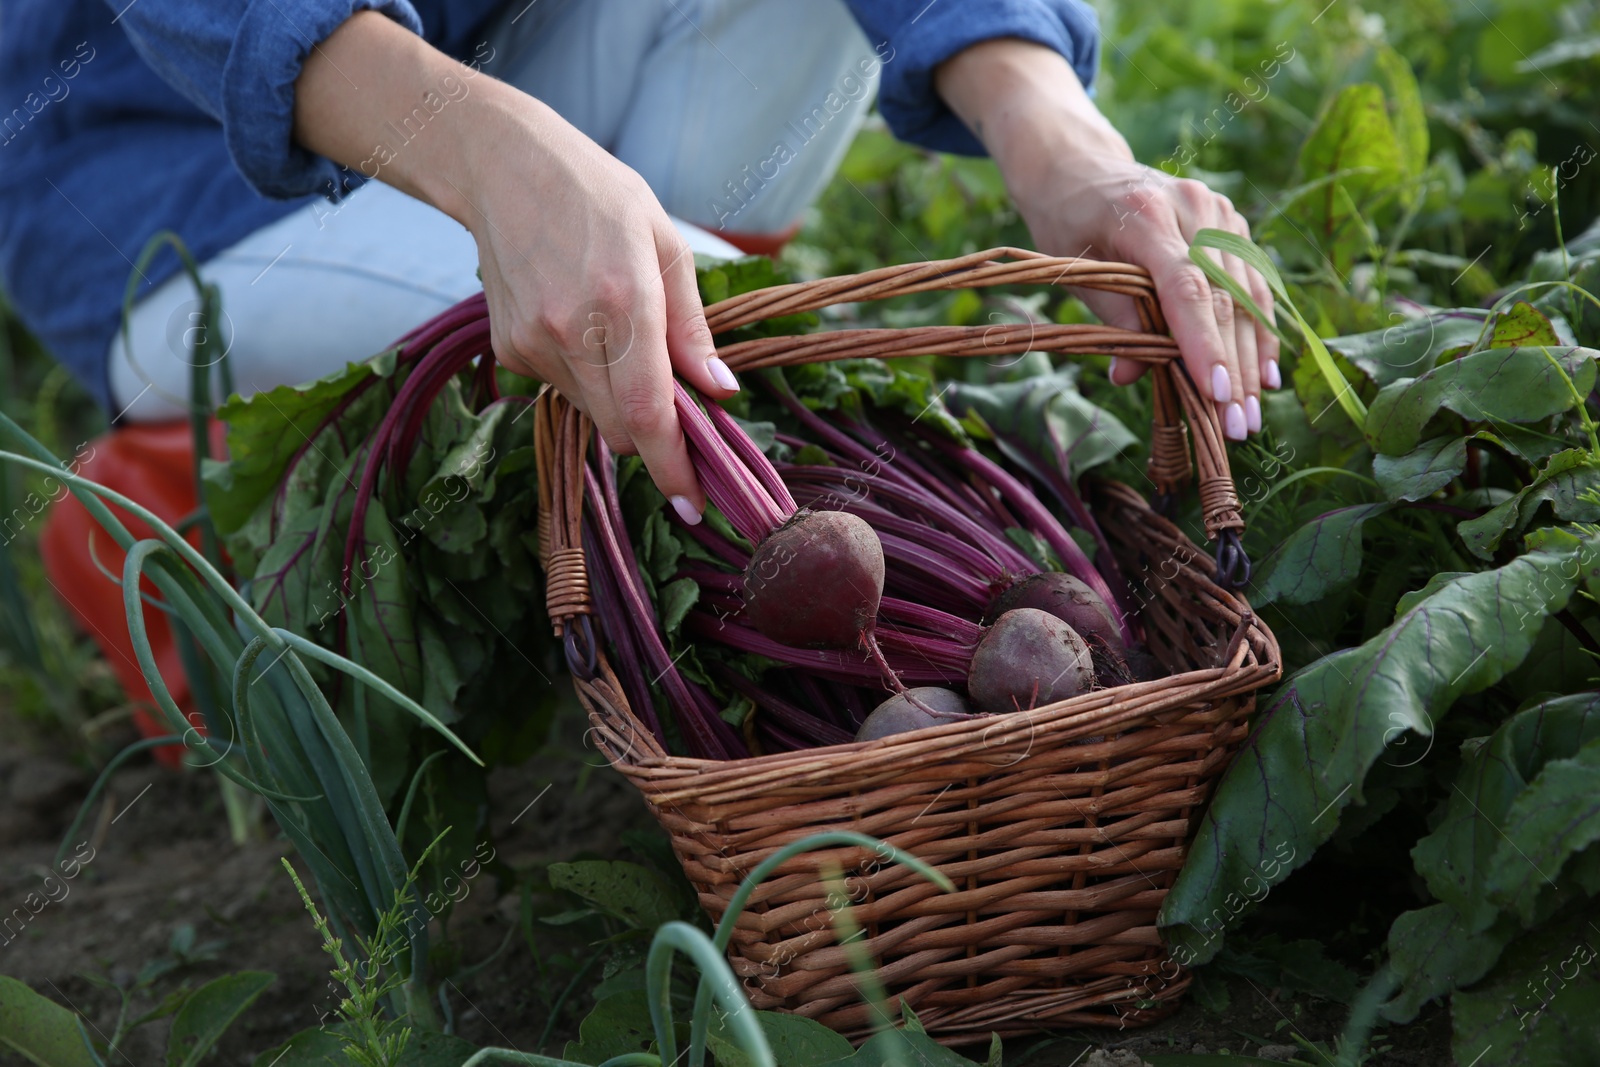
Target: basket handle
point(1175, 393)
point(561, 432)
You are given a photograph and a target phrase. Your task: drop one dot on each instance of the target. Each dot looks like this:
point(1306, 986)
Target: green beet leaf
point(1549, 823)
point(1568, 483)
point(265, 432)
point(1322, 555)
point(1406, 114)
point(1327, 725)
point(1540, 1006)
point(1433, 953)
point(1047, 416)
point(1461, 858)
point(1355, 141)
point(1410, 347)
point(1423, 471)
point(1522, 325)
point(1495, 385)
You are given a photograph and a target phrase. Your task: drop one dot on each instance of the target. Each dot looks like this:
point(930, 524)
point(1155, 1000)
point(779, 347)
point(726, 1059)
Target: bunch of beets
point(885, 591)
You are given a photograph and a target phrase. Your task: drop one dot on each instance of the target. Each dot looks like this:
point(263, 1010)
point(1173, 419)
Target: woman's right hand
point(590, 286)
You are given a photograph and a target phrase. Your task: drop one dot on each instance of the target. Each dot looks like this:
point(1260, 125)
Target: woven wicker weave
point(1062, 827)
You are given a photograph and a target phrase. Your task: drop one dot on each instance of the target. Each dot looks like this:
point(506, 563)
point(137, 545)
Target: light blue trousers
point(736, 112)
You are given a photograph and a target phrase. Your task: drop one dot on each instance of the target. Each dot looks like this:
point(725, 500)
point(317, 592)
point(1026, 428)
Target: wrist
point(1025, 104)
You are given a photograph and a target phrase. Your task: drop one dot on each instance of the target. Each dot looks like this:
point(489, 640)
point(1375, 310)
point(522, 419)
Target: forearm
point(1026, 105)
point(381, 100)
point(1081, 193)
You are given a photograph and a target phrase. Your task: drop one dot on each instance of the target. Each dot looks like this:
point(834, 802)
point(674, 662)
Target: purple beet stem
point(1043, 523)
point(727, 479)
point(789, 717)
point(702, 728)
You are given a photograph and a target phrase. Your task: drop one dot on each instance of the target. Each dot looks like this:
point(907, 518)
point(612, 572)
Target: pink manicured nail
point(1111, 371)
point(686, 511)
point(1221, 388)
point(1272, 378)
point(1233, 422)
point(1252, 414)
point(721, 374)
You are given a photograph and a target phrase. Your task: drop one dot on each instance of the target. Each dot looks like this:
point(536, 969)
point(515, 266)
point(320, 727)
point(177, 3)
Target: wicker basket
point(1062, 827)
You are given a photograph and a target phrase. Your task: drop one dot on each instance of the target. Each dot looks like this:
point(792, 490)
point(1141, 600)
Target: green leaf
point(676, 600)
point(1047, 416)
point(1411, 347)
point(429, 1048)
point(1520, 326)
point(266, 430)
point(39, 1028)
point(1423, 471)
point(1299, 966)
point(316, 1047)
point(796, 1041)
point(896, 1048)
point(209, 1011)
point(1460, 857)
point(1564, 483)
point(724, 278)
point(1551, 821)
point(618, 1025)
point(1433, 954)
point(1495, 385)
point(324, 1046)
point(1540, 1006)
point(637, 895)
point(1320, 556)
point(1406, 114)
point(1191, 1059)
point(1353, 134)
point(1331, 721)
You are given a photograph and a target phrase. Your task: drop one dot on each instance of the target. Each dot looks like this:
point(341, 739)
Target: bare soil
point(163, 858)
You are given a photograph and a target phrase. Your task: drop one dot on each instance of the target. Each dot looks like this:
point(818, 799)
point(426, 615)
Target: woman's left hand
point(1081, 193)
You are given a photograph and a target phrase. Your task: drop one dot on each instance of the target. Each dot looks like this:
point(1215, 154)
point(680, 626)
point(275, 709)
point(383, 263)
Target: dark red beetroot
point(816, 582)
point(1069, 599)
point(1027, 659)
point(915, 709)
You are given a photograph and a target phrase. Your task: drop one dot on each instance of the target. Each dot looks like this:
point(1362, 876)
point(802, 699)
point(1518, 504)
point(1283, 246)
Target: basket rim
point(1251, 661)
point(1057, 719)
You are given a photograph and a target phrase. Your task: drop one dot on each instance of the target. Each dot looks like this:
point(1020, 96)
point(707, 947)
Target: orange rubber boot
point(154, 465)
point(759, 244)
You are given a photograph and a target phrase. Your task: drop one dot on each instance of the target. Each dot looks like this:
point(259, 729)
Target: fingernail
point(1273, 379)
point(686, 511)
point(1221, 388)
point(721, 374)
point(1111, 371)
point(1252, 414)
point(1233, 422)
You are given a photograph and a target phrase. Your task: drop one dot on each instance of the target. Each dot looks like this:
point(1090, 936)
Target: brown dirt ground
point(163, 857)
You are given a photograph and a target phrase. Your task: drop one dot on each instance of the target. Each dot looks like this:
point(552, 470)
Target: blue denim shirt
point(119, 119)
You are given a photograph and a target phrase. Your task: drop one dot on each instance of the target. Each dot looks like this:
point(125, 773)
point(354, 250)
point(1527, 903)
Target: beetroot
point(816, 581)
point(924, 706)
point(1069, 599)
point(1027, 659)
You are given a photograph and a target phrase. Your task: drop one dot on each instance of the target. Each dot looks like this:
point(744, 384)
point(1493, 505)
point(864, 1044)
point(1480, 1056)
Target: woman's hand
point(1082, 194)
point(590, 287)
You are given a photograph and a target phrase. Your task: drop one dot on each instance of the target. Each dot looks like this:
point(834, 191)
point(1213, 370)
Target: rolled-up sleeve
point(238, 61)
point(914, 36)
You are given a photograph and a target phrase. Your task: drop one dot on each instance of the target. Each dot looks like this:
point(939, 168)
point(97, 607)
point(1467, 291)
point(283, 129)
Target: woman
point(344, 168)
